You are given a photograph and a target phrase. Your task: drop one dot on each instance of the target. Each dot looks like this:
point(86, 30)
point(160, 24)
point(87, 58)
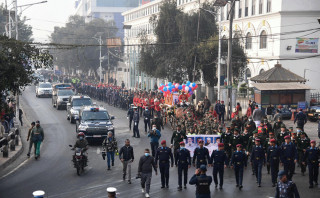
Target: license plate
point(97, 136)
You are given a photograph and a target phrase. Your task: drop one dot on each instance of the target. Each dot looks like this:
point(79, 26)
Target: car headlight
point(318, 110)
point(110, 127)
point(76, 112)
point(83, 127)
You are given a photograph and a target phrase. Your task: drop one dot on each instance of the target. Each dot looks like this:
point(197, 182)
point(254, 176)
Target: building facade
point(271, 31)
point(138, 21)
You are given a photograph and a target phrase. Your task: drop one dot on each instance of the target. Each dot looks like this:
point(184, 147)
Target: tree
point(16, 61)
point(25, 31)
point(178, 53)
point(85, 57)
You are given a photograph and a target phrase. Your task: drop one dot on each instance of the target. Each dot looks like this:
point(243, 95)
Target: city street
point(54, 172)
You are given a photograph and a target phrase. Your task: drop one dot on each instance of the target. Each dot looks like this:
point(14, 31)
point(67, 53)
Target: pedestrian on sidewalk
point(20, 116)
point(37, 136)
point(28, 138)
point(202, 181)
point(126, 156)
point(146, 163)
point(110, 145)
point(286, 188)
point(154, 136)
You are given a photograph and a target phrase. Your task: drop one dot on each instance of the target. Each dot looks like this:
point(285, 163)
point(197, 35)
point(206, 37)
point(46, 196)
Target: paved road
point(55, 174)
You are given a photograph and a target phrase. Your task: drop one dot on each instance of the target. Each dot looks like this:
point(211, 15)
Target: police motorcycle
point(79, 160)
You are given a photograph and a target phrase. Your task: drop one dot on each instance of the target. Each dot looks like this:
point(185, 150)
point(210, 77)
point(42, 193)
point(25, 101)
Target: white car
point(44, 89)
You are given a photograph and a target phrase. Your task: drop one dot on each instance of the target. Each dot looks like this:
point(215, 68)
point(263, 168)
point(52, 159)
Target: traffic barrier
point(9, 142)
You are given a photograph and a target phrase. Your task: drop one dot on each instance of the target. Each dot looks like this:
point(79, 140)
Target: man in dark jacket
point(147, 117)
point(110, 145)
point(126, 157)
point(145, 171)
point(206, 103)
point(136, 119)
point(130, 115)
point(301, 119)
point(37, 137)
point(158, 122)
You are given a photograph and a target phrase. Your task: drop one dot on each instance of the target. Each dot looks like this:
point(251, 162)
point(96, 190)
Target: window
point(246, 8)
point(249, 41)
point(248, 73)
point(263, 40)
point(253, 11)
point(269, 5)
point(261, 71)
point(222, 13)
point(240, 9)
point(260, 6)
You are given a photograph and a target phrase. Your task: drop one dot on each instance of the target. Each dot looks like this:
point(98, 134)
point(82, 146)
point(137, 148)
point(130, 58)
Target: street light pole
point(229, 61)
point(219, 55)
point(17, 37)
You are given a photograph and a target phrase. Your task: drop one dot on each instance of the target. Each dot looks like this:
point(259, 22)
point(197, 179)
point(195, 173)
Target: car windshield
point(82, 102)
point(62, 86)
point(65, 93)
point(91, 115)
point(45, 85)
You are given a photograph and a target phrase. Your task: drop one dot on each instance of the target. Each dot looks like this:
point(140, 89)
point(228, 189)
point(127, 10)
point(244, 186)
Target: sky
point(44, 17)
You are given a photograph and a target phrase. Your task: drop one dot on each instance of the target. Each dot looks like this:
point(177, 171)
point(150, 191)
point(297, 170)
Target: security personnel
point(288, 156)
point(267, 125)
point(202, 181)
point(257, 160)
point(136, 119)
point(283, 133)
point(311, 158)
point(226, 138)
point(201, 129)
point(245, 138)
point(238, 161)
point(219, 160)
point(147, 117)
point(301, 119)
point(286, 188)
point(251, 143)
point(130, 115)
point(201, 155)
point(176, 138)
point(164, 156)
point(236, 139)
point(302, 144)
point(183, 161)
point(266, 144)
point(273, 159)
point(277, 126)
point(189, 123)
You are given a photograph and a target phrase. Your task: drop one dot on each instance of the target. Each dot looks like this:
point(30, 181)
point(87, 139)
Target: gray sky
point(43, 17)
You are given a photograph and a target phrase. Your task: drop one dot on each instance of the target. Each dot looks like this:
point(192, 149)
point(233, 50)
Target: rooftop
point(280, 86)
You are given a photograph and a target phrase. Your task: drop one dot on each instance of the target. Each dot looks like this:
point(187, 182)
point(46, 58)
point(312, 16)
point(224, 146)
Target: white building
point(138, 21)
point(269, 30)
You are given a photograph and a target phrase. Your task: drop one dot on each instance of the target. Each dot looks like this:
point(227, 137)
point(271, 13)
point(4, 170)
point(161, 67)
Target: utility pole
point(195, 57)
point(17, 38)
point(100, 59)
point(229, 61)
point(219, 55)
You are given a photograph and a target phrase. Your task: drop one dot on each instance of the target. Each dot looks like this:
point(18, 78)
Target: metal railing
point(9, 142)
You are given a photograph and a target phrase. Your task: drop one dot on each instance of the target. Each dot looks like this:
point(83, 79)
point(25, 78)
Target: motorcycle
point(79, 160)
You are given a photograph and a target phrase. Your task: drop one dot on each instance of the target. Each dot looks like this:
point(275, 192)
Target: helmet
point(81, 134)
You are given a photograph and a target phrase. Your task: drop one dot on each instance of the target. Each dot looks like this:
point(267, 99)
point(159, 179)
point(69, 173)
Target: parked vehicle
point(313, 113)
point(44, 89)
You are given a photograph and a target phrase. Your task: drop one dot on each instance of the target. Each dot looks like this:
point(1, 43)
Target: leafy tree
point(25, 31)
point(16, 61)
point(77, 32)
point(177, 48)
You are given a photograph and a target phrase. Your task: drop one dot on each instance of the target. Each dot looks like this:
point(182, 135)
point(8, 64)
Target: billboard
point(210, 142)
point(307, 45)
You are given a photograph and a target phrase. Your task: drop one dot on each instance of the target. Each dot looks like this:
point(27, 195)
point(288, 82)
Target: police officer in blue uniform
point(201, 155)
point(136, 119)
point(202, 181)
point(164, 156)
point(130, 115)
point(219, 160)
point(238, 161)
point(183, 161)
point(258, 159)
point(289, 156)
point(273, 159)
point(147, 117)
point(286, 188)
point(311, 158)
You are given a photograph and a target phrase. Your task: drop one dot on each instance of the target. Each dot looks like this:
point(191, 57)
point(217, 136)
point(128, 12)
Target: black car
point(313, 113)
point(95, 122)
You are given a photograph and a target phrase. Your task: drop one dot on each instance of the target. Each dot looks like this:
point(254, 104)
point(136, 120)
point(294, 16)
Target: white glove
point(135, 124)
point(127, 118)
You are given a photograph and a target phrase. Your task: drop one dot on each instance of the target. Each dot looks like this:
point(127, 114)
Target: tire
point(78, 170)
point(71, 120)
point(58, 107)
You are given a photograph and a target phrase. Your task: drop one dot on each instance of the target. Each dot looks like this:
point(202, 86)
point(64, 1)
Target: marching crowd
point(249, 138)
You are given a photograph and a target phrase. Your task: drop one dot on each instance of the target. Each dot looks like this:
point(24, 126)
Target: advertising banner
point(307, 45)
point(210, 142)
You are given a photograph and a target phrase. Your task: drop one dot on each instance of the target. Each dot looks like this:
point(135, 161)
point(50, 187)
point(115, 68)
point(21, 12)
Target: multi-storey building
point(277, 30)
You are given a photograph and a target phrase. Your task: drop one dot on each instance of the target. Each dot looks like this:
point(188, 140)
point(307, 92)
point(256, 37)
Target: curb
point(12, 158)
